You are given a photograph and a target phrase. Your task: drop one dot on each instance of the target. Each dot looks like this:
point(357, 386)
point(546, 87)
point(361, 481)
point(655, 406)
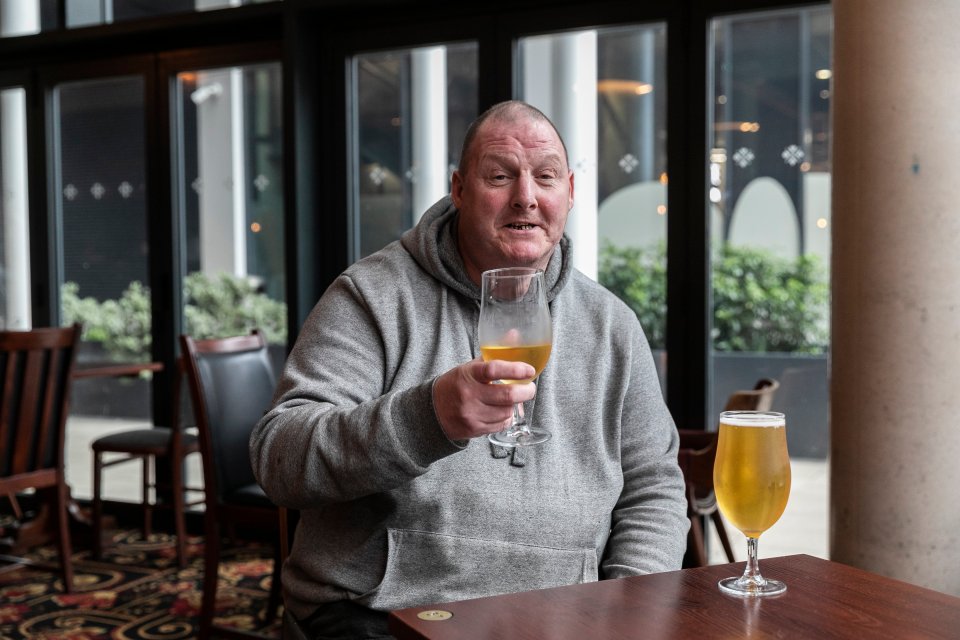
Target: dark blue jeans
point(345, 620)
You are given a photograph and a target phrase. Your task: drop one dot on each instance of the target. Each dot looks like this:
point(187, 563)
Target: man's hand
point(469, 405)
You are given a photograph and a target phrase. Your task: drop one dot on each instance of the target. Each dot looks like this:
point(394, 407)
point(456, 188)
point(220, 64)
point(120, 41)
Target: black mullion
point(164, 263)
point(688, 234)
point(43, 248)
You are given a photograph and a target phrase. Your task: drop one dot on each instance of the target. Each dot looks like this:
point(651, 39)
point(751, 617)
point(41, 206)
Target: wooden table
point(114, 369)
point(824, 599)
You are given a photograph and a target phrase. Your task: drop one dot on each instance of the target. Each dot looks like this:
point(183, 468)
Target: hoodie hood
point(433, 244)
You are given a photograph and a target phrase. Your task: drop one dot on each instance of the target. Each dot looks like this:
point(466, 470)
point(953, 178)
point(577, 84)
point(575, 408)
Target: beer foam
point(754, 420)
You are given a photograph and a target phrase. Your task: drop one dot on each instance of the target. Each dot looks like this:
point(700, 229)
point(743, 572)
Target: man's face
point(514, 196)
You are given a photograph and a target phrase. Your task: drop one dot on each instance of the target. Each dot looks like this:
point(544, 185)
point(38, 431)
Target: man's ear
point(570, 203)
point(456, 188)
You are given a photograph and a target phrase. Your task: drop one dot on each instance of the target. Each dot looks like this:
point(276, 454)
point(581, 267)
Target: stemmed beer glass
point(751, 479)
point(515, 325)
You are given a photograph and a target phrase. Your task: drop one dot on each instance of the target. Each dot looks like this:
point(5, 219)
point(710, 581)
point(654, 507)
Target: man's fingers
point(495, 370)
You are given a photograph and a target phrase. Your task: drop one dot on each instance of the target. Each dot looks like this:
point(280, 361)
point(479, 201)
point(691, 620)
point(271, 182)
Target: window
point(770, 226)
point(411, 111)
point(230, 200)
point(101, 194)
point(605, 89)
point(25, 17)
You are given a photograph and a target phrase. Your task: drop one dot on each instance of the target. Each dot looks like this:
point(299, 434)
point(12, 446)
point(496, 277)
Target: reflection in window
point(230, 184)
point(14, 223)
point(411, 111)
point(605, 89)
point(770, 212)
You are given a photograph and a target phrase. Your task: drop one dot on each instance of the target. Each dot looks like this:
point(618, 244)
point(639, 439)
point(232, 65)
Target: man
point(378, 432)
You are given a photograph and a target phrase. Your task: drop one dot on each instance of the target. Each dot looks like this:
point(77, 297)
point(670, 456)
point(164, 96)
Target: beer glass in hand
point(515, 325)
point(751, 479)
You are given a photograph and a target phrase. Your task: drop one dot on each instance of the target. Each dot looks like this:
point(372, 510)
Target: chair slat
point(33, 401)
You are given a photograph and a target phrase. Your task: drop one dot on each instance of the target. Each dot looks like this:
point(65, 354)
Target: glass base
point(745, 587)
point(519, 438)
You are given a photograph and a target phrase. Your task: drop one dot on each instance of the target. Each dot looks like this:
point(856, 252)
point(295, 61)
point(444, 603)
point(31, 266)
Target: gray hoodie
point(393, 513)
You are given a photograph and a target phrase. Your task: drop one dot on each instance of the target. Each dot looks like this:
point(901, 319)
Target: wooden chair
point(149, 446)
point(760, 398)
point(698, 450)
point(231, 383)
point(36, 370)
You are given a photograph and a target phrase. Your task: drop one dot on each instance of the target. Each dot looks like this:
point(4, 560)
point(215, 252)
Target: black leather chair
point(231, 384)
point(36, 369)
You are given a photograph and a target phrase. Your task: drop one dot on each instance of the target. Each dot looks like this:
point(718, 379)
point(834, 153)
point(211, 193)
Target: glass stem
point(751, 572)
point(519, 422)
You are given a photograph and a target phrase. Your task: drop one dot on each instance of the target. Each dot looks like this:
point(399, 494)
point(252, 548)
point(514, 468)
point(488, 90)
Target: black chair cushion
point(250, 495)
point(154, 441)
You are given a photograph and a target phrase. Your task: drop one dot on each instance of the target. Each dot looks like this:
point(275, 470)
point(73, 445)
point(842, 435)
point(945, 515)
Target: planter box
point(803, 394)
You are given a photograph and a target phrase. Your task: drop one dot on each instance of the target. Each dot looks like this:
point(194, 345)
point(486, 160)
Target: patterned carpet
point(137, 591)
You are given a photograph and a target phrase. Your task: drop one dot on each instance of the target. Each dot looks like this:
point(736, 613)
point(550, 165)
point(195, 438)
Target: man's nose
point(524, 195)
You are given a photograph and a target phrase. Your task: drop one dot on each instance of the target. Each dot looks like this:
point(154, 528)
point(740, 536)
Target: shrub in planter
point(215, 306)
point(761, 302)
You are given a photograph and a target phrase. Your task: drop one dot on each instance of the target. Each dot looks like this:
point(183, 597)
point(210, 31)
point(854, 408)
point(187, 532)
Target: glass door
point(769, 200)
point(99, 189)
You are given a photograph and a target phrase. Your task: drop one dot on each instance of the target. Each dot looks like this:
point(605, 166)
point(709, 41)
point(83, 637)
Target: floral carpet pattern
point(136, 592)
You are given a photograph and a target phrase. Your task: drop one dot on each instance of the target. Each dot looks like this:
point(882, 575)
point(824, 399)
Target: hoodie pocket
point(425, 567)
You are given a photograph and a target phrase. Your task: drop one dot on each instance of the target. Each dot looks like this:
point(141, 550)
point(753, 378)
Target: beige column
point(895, 368)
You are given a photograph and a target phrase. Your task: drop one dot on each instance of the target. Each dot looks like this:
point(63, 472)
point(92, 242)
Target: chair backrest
point(35, 381)
point(698, 450)
point(760, 398)
point(231, 385)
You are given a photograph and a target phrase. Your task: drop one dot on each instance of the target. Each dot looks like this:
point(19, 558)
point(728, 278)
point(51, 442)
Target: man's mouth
point(521, 227)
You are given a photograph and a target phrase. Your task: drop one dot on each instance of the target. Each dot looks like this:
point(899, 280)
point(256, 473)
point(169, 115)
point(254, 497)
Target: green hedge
point(215, 306)
point(760, 302)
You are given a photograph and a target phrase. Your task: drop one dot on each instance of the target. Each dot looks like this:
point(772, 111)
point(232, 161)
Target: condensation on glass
point(410, 110)
point(24, 17)
point(14, 220)
point(769, 208)
point(229, 182)
point(606, 91)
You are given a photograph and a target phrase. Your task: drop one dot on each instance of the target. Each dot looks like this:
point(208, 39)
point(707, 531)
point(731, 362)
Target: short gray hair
point(508, 111)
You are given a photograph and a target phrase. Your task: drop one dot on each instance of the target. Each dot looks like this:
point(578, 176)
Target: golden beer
point(751, 475)
point(536, 355)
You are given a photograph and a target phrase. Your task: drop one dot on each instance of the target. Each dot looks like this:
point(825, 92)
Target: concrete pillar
point(560, 79)
point(429, 127)
point(222, 172)
point(15, 19)
point(895, 371)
